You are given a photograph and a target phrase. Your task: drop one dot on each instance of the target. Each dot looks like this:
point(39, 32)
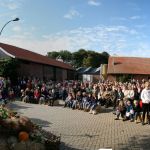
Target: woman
point(69, 101)
point(145, 96)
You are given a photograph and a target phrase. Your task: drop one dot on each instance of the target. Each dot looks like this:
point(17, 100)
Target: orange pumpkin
point(23, 136)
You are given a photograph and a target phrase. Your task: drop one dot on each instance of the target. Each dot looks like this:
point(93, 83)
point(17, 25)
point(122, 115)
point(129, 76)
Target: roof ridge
point(22, 53)
point(129, 57)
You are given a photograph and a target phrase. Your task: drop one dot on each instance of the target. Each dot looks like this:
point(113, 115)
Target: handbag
point(127, 114)
point(132, 111)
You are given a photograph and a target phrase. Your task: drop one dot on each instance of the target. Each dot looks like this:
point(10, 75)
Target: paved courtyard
point(82, 131)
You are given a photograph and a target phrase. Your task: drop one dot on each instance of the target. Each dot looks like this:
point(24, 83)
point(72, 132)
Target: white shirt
point(145, 96)
point(129, 94)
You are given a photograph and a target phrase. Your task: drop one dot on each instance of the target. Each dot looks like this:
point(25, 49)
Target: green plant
point(8, 68)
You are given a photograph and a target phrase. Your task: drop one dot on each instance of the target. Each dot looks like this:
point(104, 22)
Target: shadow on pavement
point(106, 110)
point(82, 135)
point(137, 142)
point(63, 146)
point(40, 122)
point(16, 107)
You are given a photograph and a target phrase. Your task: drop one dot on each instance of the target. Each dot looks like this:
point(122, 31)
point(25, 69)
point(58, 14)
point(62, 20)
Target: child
point(120, 110)
point(137, 111)
point(129, 111)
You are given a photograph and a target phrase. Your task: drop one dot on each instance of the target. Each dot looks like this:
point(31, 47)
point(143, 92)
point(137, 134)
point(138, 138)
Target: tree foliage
point(82, 57)
point(66, 55)
point(78, 57)
point(8, 68)
point(53, 54)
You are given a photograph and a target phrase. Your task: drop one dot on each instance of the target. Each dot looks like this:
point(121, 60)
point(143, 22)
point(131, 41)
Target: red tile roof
point(21, 53)
point(128, 65)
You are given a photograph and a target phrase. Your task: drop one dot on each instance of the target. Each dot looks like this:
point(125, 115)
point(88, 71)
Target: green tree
point(8, 68)
point(66, 55)
point(105, 57)
point(82, 57)
point(78, 57)
point(95, 59)
point(53, 54)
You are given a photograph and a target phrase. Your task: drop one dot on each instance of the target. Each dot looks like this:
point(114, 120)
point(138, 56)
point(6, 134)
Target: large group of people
point(130, 100)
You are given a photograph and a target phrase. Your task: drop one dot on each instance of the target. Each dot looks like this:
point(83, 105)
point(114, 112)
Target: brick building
point(128, 67)
point(33, 64)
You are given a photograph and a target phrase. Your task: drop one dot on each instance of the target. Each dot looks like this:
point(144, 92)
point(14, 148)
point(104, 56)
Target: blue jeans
point(136, 115)
point(93, 106)
point(74, 104)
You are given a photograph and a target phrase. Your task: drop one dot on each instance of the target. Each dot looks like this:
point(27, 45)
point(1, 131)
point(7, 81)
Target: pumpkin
point(23, 136)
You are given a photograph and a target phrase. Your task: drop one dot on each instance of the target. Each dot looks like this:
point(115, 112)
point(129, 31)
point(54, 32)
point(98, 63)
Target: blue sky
point(120, 27)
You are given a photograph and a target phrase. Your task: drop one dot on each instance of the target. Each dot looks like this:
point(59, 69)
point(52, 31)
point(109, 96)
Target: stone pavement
point(83, 131)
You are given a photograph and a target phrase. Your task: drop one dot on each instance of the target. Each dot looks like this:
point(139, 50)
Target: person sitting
point(84, 100)
point(64, 93)
point(129, 111)
point(31, 96)
point(120, 95)
point(26, 97)
point(120, 110)
point(51, 97)
point(75, 101)
point(69, 101)
point(107, 97)
point(11, 94)
point(79, 99)
point(44, 94)
point(36, 96)
point(101, 95)
point(93, 104)
point(22, 93)
point(89, 102)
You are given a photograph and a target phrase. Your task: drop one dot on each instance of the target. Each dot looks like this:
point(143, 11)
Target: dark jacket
point(120, 95)
point(79, 98)
point(137, 108)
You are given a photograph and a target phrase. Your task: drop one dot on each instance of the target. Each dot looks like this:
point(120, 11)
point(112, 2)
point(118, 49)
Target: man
point(145, 96)
point(114, 97)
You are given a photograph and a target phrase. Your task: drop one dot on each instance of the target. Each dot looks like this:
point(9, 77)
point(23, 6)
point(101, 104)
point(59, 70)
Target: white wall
point(88, 78)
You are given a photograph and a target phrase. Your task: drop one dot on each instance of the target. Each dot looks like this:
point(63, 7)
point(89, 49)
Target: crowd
point(130, 100)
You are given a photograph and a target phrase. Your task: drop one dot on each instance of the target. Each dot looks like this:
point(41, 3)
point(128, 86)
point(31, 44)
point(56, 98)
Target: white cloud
point(16, 28)
point(94, 3)
point(5, 14)
point(140, 26)
point(120, 40)
point(134, 6)
point(133, 32)
point(127, 18)
point(11, 4)
point(119, 19)
point(135, 17)
point(71, 14)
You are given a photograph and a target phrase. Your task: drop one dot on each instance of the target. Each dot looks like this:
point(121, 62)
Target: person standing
point(145, 96)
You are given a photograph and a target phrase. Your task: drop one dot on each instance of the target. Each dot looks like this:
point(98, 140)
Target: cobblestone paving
point(82, 131)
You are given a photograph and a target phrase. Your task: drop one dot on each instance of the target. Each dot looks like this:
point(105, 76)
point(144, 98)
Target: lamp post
point(16, 19)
